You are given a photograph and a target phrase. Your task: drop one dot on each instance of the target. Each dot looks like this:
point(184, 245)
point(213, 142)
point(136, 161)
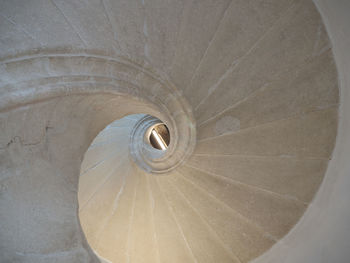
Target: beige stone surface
point(241, 236)
point(299, 31)
point(273, 213)
point(204, 243)
point(243, 24)
point(172, 245)
point(299, 137)
point(117, 228)
point(288, 176)
point(248, 90)
point(313, 87)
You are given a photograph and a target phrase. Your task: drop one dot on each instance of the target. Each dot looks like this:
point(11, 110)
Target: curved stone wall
point(322, 235)
point(248, 90)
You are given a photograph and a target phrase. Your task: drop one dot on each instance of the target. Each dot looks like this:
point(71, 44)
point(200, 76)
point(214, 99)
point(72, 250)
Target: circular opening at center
point(159, 137)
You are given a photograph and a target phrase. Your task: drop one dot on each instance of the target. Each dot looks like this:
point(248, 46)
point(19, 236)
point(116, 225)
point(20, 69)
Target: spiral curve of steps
point(248, 90)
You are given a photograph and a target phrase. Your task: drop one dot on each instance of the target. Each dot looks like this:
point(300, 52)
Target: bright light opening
point(159, 137)
point(160, 141)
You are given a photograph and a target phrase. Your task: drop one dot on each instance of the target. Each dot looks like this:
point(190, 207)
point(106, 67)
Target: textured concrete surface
point(322, 235)
point(252, 85)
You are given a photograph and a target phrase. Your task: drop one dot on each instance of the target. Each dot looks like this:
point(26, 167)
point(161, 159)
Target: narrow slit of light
point(159, 140)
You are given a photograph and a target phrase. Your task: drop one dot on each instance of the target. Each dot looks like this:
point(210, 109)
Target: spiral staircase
point(251, 95)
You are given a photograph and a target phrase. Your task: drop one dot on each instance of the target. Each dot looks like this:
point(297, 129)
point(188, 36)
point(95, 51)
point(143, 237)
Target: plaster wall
point(323, 233)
